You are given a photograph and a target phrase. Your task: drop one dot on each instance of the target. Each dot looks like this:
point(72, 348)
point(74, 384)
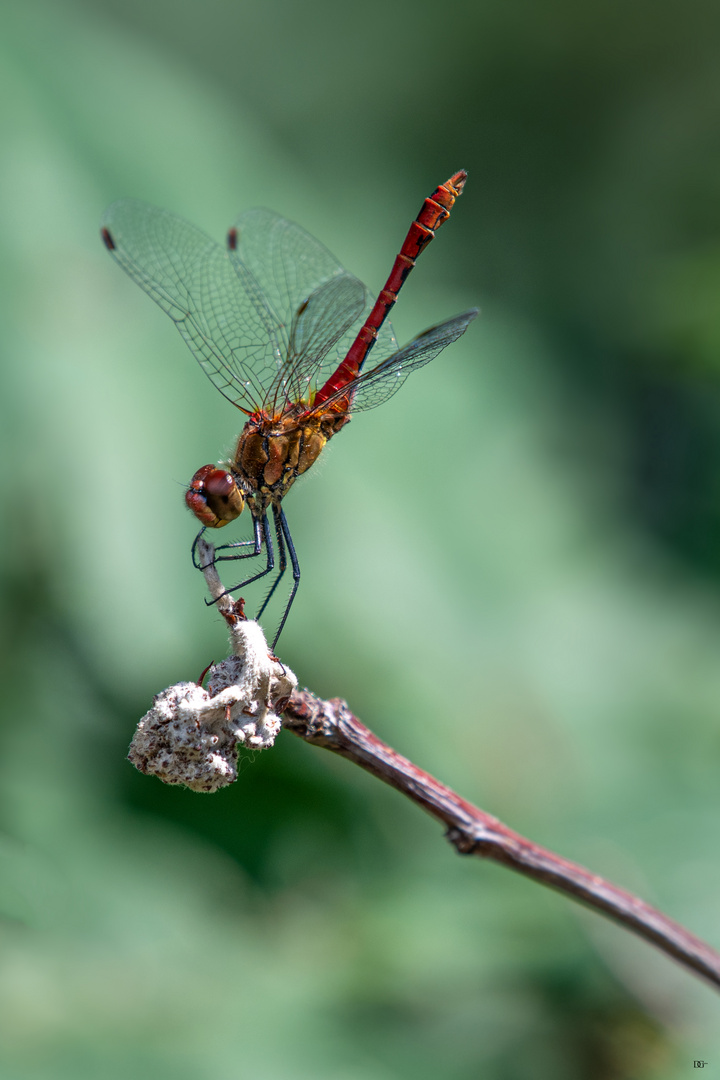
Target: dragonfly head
point(214, 497)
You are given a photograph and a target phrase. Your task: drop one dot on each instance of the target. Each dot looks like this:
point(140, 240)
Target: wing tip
point(457, 181)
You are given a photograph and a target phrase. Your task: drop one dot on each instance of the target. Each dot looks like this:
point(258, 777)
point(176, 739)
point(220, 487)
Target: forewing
point(286, 262)
point(227, 323)
point(319, 324)
point(375, 386)
point(318, 307)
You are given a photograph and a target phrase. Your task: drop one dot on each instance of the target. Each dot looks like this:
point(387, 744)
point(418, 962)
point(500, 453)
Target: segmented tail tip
point(457, 182)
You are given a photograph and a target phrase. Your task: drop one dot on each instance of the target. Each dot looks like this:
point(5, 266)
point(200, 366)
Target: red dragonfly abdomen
point(435, 210)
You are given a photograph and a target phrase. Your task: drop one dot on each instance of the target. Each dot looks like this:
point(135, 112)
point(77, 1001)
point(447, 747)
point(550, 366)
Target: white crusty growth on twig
point(190, 736)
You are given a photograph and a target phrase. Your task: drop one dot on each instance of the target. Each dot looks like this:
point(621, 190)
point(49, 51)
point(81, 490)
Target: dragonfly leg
point(256, 542)
point(196, 564)
point(282, 557)
point(295, 571)
point(262, 533)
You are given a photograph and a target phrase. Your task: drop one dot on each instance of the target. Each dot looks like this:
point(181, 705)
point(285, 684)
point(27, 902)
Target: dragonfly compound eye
point(214, 497)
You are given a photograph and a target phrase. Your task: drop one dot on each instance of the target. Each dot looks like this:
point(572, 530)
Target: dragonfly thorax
point(273, 451)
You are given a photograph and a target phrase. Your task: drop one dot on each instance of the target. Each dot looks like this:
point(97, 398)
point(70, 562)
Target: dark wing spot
point(232, 239)
point(107, 239)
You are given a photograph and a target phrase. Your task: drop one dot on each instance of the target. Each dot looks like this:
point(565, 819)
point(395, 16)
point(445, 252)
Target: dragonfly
point(284, 332)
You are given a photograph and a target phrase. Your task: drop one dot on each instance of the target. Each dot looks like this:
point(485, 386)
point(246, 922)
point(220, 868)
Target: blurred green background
point(511, 570)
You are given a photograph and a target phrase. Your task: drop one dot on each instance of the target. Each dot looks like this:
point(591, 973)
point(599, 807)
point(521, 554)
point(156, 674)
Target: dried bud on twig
point(190, 736)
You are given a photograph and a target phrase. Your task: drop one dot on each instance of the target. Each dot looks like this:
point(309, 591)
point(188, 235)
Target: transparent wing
point(267, 322)
point(373, 387)
point(285, 262)
point(318, 325)
point(316, 305)
point(227, 324)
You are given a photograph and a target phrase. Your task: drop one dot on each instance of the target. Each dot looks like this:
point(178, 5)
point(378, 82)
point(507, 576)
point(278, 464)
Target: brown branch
point(330, 724)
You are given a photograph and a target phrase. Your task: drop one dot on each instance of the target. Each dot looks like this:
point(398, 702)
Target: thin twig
point(330, 724)
point(472, 831)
